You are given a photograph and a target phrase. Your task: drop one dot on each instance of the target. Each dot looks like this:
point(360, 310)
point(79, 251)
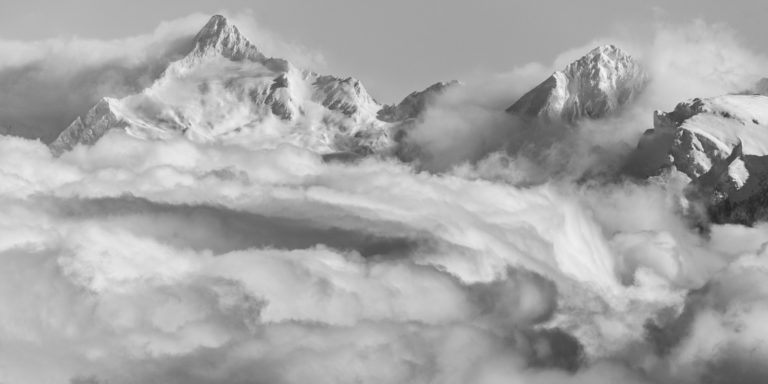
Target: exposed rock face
point(347, 96)
point(721, 143)
point(594, 86)
point(415, 104)
point(225, 89)
point(87, 130)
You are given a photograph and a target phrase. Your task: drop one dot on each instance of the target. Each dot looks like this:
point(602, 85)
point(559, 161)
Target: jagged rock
point(87, 130)
point(347, 96)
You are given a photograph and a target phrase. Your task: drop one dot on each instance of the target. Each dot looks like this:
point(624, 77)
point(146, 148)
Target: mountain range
point(224, 89)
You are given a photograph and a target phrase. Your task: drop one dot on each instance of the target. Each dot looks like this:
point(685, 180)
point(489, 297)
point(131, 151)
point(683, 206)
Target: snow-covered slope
point(415, 104)
point(721, 143)
point(700, 132)
point(593, 86)
point(226, 90)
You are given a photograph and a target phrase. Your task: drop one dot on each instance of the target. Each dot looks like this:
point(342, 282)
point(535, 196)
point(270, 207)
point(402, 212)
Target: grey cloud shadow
point(36, 103)
point(223, 230)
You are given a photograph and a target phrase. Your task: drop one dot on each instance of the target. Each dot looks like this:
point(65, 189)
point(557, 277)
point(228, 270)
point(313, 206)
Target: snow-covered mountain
point(596, 85)
point(721, 143)
point(219, 38)
point(415, 104)
point(226, 90)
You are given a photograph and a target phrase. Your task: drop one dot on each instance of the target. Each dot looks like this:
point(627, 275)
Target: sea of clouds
point(138, 261)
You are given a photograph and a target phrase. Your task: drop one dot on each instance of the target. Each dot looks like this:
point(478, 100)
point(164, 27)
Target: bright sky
point(396, 46)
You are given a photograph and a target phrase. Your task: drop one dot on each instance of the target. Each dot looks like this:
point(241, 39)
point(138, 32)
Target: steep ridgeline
point(405, 115)
point(593, 86)
point(415, 104)
point(226, 90)
point(721, 143)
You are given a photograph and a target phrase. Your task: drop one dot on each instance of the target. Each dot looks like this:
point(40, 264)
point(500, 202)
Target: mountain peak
point(216, 26)
point(440, 86)
point(595, 85)
point(347, 95)
point(216, 20)
point(601, 56)
point(608, 50)
point(416, 103)
point(221, 38)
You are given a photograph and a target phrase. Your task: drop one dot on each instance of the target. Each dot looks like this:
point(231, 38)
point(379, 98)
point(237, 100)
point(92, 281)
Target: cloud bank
point(178, 262)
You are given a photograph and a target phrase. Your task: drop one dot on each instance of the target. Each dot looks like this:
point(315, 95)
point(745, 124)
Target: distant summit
point(415, 103)
point(218, 37)
point(596, 85)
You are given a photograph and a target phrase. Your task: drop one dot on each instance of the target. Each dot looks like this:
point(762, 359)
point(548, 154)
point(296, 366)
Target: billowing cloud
point(180, 262)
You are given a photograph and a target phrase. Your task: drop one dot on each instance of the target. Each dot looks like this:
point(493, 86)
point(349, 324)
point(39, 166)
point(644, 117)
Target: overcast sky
point(396, 46)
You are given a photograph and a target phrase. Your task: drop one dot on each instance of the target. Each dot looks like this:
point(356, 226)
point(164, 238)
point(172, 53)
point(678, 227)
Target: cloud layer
point(176, 262)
